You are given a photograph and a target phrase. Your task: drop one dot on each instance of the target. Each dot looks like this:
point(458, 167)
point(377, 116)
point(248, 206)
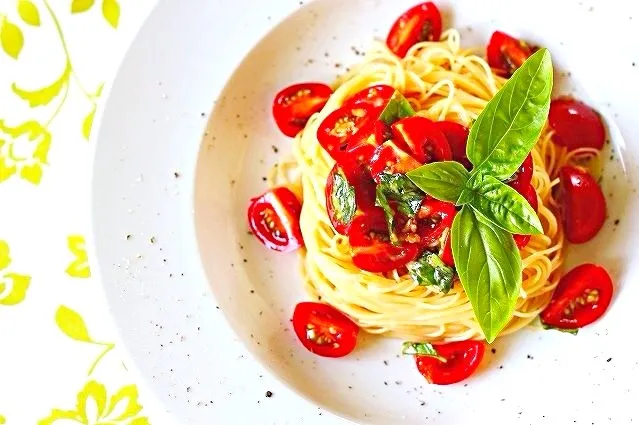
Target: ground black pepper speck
point(269, 394)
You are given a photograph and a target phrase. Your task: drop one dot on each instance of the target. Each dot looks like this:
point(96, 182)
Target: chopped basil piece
point(421, 349)
point(430, 270)
point(343, 198)
point(568, 331)
point(397, 108)
point(406, 196)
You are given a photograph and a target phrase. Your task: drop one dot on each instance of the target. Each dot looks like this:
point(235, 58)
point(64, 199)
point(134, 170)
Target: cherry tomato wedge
point(433, 218)
point(447, 252)
point(274, 218)
point(336, 132)
point(531, 196)
point(523, 176)
point(505, 53)
point(576, 125)
point(349, 190)
point(423, 137)
point(457, 137)
point(375, 96)
point(294, 105)
point(583, 205)
point(324, 330)
point(462, 359)
point(383, 132)
point(420, 23)
point(582, 296)
point(390, 158)
point(372, 251)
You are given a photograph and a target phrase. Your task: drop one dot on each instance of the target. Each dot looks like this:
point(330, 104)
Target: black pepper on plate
point(269, 394)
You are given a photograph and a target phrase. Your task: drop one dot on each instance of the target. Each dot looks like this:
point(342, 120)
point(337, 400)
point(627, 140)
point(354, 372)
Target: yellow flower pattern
point(23, 151)
point(13, 286)
point(95, 407)
point(80, 266)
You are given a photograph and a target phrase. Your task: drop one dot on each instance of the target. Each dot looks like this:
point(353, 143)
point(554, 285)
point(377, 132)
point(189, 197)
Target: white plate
point(158, 179)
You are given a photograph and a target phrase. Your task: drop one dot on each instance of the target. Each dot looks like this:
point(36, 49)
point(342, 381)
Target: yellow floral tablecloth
point(59, 363)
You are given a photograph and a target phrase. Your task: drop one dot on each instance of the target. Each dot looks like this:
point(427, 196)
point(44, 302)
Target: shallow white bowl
point(180, 188)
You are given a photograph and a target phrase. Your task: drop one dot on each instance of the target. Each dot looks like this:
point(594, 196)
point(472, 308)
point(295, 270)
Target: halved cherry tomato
point(324, 330)
point(423, 137)
point(383, 132)
point(391, 159)
point(375, 96)
point(462, 359)
point(274, 218)
point(531, 196)
point(294, 105)
point(583, 205)
point(523, 176)
point(505, 53)
point(447, 252)
point(420, 23)
point(576, 125)
point(335, 134)
point(372, 251)
point(457, 137)
point(364, 187)
point(582, 296)
point(433, 218)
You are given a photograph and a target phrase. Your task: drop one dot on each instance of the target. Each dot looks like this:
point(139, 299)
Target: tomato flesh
point(462, 360)
point(433, 218)
point(336, 132)
point(324, 330)
point(358, 177)
point(372, 250)
point(505, 53)
point(582, 297)
point(531, 196)
point(423, 137)
point(457, 137)
point(420, 23)
point(583, 205)
point(575, 124)
point(376, 96)
point(390, 158)
point(523, 176)
point(274, 218)
point(294, 105)
point(447, 252)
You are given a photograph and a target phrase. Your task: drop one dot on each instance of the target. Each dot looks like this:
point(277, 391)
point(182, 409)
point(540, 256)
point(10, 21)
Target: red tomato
point(356, 176)
point(375, 96)
point(390, 158)
point(447, 253)
point(423, 137)
point(505, 53)
point(583, 205)
point(523, 176)
point(576, 125)
point(420, 23)
point(383, 132)
point(432, 219)
point(335, 134)
point(274, 218)
point(457, 136)
point(531, 196)
point(324, 330)
point(372, 251)
point(462, 359)
point(582, 296)
point(294, 105)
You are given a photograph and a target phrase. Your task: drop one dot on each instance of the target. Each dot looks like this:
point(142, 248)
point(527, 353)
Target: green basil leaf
point(382, 201)
point(407, 197)
point(503, 206)
point(421, 349)
point(397, 108)
point(342, 198)
point(489, 267)
point(568, 331)
point(430, 270)
point(441, 180)
point(509, 126)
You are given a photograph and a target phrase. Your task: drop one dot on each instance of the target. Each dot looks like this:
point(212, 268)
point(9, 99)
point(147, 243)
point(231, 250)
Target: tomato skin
point(372, 251)
point(294, 105)
point(505, 53)
point(531, 196)
point(462, 359)
point(274, 218)
point(582, 297)
point(420, 23)
point(336, 132)
point(523, 176)
point(423, 137)
point(433, 218)
point(317, 319)
point(376, 96)
point(390, 158)
point(576, 125)
point(447, 253)
point(583, 205)
point(358, 177)
point(383, 132)
point(457, 137)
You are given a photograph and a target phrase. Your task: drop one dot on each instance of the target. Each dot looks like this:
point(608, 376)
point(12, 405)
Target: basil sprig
point(486, 257)
point(430, 270)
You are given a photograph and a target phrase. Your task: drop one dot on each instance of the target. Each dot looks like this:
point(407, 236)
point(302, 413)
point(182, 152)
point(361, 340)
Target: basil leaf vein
point(489, 267)
point(441, 180)
point(430, 270)
point(510, 124)
point(396, 108)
